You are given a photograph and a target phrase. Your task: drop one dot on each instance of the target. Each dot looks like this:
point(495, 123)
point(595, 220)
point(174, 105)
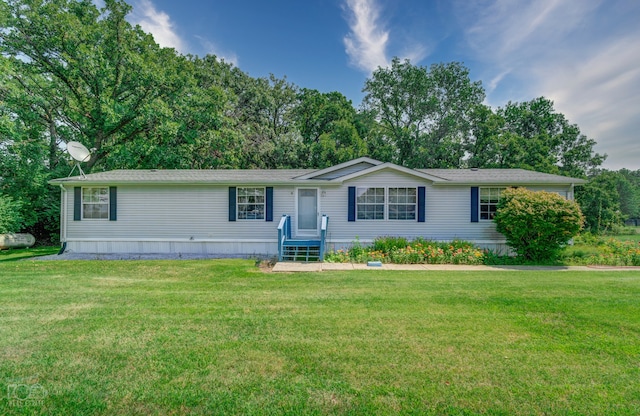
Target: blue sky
point(582, 54)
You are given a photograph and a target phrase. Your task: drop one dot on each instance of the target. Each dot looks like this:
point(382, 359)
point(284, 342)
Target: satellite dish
point(80, 154)
point(78, 151)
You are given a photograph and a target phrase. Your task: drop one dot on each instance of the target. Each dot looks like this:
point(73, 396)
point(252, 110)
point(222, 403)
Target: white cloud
point(158, 23)
point(367, 42)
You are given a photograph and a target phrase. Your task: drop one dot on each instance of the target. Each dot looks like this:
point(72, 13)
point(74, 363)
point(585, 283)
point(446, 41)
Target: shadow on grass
point(25, 253)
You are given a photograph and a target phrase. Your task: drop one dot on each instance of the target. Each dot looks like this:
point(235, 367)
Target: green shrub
point(387, 244)
point(337, 256)
point(611, 252)
point(10, 217)
point(537, 224)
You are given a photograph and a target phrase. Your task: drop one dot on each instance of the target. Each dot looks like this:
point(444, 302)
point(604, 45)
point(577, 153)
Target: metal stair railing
point(284, 233)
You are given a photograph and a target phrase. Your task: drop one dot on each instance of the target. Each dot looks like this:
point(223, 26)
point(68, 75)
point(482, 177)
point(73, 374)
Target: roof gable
point(342, 169)
point(392, 166)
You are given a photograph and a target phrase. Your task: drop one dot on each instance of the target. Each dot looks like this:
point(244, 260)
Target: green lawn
point(23, 253)
point(222, 337)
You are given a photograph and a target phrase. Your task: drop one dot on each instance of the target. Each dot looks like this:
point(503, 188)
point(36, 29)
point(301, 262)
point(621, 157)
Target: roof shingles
point(291, 176)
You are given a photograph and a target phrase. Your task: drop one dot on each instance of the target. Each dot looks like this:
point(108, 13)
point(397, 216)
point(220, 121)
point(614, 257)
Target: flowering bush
point(537, 224)
point(401, 251)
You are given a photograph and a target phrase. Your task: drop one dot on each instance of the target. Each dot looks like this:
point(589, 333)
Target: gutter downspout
point(63, 218)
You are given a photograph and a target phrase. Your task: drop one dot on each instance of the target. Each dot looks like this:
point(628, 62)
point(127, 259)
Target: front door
point(307, 211)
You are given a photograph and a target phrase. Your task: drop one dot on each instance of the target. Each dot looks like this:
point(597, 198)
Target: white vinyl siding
point(178, 212)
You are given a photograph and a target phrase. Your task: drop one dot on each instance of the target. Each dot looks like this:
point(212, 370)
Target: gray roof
point(498, 176)
point(188, 176)
point(305, 176)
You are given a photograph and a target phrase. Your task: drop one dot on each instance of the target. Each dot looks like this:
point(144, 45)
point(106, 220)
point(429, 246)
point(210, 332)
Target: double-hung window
point(489, 198)
point(386, 204)
point(251, 203)
point(95, 203)
point(370, 204)
point(402, 203)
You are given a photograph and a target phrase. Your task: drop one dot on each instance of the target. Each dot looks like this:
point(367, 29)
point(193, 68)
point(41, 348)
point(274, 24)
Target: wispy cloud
point(513, 37)
point(158, 23)
point(601, 93)
point(585, 56)
point(213, 49)
point(367, 41)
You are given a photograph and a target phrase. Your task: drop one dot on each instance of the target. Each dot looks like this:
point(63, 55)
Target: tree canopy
point(72, 71)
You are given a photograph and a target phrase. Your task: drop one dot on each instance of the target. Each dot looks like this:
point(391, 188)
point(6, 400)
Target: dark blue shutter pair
point(113, 203)
point(352, 204)
point(268, 209)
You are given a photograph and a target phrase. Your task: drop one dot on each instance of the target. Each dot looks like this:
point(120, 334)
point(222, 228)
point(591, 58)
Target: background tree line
point(70, 71)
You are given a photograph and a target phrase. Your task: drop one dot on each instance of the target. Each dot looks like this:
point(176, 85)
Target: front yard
point(222, 337)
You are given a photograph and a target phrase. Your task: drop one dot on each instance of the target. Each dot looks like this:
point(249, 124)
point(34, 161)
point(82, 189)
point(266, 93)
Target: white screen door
point(308, 211)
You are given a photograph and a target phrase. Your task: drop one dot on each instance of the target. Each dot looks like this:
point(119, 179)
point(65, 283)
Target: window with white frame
point(370, 204)
point(402, 203)
point(386, 203)
point(489, 198)
point(251, 203)
point(95, 203)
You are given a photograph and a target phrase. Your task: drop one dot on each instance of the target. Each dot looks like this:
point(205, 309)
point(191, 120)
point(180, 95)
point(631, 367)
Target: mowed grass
point(24, 253)
point(222, 337)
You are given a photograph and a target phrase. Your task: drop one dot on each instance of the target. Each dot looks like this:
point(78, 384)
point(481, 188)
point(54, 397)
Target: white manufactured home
point(285, 212)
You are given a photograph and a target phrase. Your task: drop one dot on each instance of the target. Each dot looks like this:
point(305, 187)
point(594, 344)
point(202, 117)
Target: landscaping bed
point(586, 250)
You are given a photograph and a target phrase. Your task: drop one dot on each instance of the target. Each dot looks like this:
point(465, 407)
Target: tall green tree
point(425, 113)
point(105, 80)
point(600, 202)
point(72, 72)
point(195, 128)
point(327, 124)
point(629, 191)
point(544, 140)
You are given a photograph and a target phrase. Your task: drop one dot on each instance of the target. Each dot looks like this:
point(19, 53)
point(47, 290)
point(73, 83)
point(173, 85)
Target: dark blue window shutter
point(77, 203)
point(474, 204)
point(352, 203)
point(113, 203)
point(421, 203)
point(232, 203)
point(269, 208)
